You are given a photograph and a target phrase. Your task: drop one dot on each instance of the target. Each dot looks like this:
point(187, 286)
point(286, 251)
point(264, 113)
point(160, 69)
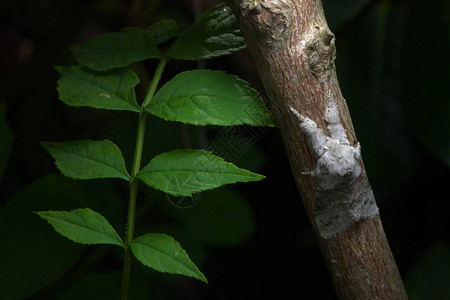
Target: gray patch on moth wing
point(343, 195)
point(337, 209)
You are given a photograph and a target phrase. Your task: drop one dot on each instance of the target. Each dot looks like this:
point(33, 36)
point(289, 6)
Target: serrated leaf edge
point(134, 106)
point(257, 176)
point(46, 217)
point(237, 80)
point(201, 276)
point(126, 176)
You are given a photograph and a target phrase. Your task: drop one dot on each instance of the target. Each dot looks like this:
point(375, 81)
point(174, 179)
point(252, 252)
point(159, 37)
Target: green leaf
point(88, 159)
point(428, 278)
point(82, 226)
point(203, 97)
point(114, 89)
point(162, 253)
point(196, 248)
point(6, 138)
point(164, 30)
point(117, 49)
point(184, 172)
point(32, 255)
point(214, 33)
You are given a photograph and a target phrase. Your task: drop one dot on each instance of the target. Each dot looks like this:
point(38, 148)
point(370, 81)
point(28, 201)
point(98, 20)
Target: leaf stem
point(154, 84)
point(134, 181)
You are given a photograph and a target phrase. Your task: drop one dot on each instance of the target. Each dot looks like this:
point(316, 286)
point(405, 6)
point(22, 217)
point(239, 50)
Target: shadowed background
point(249, 240)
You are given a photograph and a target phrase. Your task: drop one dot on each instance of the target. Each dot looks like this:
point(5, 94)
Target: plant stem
point(154, 83)
point(134, 180)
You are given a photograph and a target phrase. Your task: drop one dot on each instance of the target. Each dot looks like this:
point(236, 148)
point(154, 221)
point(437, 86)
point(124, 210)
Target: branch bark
point(294, 51)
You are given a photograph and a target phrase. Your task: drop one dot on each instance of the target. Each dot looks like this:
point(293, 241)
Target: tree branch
point(294, 51)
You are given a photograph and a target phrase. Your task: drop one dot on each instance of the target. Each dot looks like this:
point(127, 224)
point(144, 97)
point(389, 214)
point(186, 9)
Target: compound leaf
point(162, 253)
point(204, 97)
point(88, 159)
point(114, 89)
point(215, 33)
point(117, 49)
point(83, 226)
point(184, 172)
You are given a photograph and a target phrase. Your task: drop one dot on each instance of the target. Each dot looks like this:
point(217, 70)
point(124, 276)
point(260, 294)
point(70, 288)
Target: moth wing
point(332, 213)
point(363, 206)
point(339, 208)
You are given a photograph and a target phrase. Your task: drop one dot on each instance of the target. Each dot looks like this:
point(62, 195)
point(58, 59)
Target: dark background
point(250, 240)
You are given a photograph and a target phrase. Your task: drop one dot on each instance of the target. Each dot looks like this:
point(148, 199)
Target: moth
point(343, 196)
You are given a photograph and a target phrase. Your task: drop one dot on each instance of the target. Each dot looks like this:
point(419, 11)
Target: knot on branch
point(320, 50)
point(270, 19)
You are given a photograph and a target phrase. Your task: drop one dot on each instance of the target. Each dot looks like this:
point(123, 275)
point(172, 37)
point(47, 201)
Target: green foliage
point(117, 49)
point(184, 172)
point(206, 97)
point(225, 218)
point(24, 234)
point(82, 226)
point(31, 256)
point(197, 97)
point(164, 31)
point(428, 279)
point(162, 253)
point(79, 86)
point(393, 72)
point(88, 159)
point(215, 33)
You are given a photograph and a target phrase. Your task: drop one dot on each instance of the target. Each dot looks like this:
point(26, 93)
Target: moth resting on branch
point(343, 196)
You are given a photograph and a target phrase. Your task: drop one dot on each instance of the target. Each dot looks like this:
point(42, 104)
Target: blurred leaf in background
point(222, 217)
point(368, 61)
point(429, 276)
point(395, 86)
point(426, 76)
point(31, 256)
point(104, 286)
point(392, 64)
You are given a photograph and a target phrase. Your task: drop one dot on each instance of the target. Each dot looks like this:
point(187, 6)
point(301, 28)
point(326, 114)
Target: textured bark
point(294, 51)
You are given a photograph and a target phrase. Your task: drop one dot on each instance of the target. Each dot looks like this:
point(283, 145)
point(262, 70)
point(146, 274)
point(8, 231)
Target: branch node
point(270, 19)
point(320, 49)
